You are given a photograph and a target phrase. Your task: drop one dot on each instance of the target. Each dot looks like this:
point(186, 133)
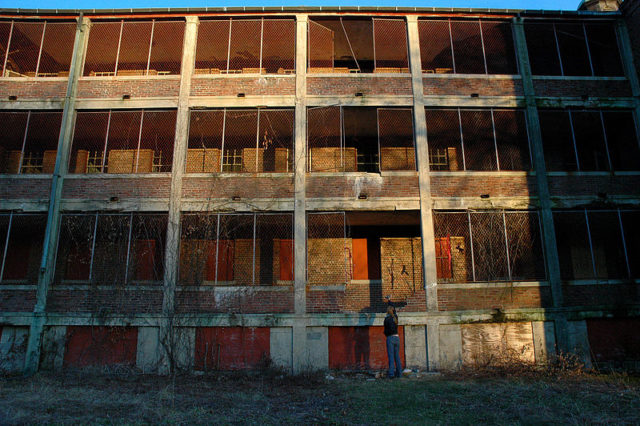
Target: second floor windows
point(134, 48)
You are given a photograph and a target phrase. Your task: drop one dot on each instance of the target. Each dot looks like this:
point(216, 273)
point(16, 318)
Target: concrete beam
point(135, 103)
point(52, 230)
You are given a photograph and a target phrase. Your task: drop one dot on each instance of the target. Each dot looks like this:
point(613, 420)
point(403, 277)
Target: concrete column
point(172, 249)
point(52, 229)
point(426, 213)
point(535, 138)
point(300, 219)
point(626, 53)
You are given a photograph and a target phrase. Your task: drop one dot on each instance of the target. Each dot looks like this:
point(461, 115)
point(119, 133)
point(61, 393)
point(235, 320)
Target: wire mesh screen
point(630, 221)
point(236, 249)
point(478, 139)
point(488, 246)
point(30, 142)
point(395, 137)
point(134, 48)
point(622, 139)
point(37, 49)
point(590, 141)
point(241, 141)
point(349, 39)
point(246, 46)
point(328, 249)
point(111, 249)
point(499, 50)
point(468, 47)
point(325, 142)
point(22, 252)
point(557, 140)
point(123, 141)
point(595, 244)
point(321, 47)
point(574, 48)
point(390, 46)
point(465, 139)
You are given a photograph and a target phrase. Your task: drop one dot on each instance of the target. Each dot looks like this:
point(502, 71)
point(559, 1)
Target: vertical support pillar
point(535, 137)
point(300, 220)
point(426, 211)
point(52, 229)
point(626, 53)
point(172, 251)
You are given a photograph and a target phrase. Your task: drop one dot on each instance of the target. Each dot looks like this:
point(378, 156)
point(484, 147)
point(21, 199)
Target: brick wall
point(105, 301)
point(578, 88)
point(137, 88)
point(340, 86)
point(473, 186)
point(250, 86)
point(592, 185)
point(241, 186)
point(97, 187)
point(453, 299)
point(607, 294)
point(238, 301)
point(26, 188)
point(17, 300)
point(33, 88)
point(351, 186)
point(467, 86)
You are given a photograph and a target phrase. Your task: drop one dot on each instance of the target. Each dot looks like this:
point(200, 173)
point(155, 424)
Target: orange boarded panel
point(231, 348)
point(225, 260)
point(96, 346)
point(443, 257)
point(286, 260)
point(145, 259)
point(360, 347)
point(360, 259)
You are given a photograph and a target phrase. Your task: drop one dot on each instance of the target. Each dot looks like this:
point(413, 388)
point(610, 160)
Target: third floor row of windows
point(336, 45)
point(339, 139)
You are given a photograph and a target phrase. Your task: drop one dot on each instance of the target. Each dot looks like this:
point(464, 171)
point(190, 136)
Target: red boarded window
point(96, 346)
point(231, 348)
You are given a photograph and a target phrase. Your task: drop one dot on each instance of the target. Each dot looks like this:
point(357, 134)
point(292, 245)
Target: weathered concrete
point(52, 231)
point(415, 346)
point(280, 347)
point(317, 348)
point(578, 341)
point(450, 342)
point(53, 346)
point(544, 340)
point(13, 346)
point(184, 347)
point(149, 349)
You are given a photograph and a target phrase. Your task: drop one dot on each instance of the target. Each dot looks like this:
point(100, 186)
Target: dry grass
point(271, 397)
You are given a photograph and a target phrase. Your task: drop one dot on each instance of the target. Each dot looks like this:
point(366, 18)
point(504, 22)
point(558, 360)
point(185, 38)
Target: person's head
point(391, 310)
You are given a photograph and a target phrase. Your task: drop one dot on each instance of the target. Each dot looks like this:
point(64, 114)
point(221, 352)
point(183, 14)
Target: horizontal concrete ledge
point(383, 204)
point(509, 284)
point(326, 287)
point(237, 175)
point(464, 203)
point(122, 205)
point(558, 202)
point(129, 77)
point(281, 101)
point(245, 205)
point(236, 288)
point(599, 173)
point(365, 100)
point(482, 101)
point(72, 176)
point(363, 174)
point(26, 176)
point(87, 287)
point(5, 287)
point(474, 76)
point(242, 75)
point(563, 102)
point(20, 205)
point(602, 282)
point(472, 173)
point(135, 102)
point(31, 104)
point(570, 78)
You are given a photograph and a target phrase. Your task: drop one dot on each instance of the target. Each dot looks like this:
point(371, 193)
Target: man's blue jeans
point(393, 352)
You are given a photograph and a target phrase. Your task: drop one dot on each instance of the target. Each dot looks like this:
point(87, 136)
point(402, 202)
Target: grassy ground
point(268, 397)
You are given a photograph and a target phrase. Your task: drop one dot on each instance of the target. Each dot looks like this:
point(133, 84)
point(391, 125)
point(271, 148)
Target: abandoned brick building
point(223, 188)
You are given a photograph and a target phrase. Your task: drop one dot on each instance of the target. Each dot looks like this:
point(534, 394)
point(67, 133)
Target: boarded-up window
point(23, 238)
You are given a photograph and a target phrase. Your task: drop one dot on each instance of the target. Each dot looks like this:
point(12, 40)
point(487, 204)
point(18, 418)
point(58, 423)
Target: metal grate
point(30, 142)
point(248, 140)
point(477, 139)
point(488, 246)
point(123, 141)
point(134, 48)
point(580, 49)
point(466, 47)
point(236, 249)
point(111, 249)
point(21, 239)
point(246, 46)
